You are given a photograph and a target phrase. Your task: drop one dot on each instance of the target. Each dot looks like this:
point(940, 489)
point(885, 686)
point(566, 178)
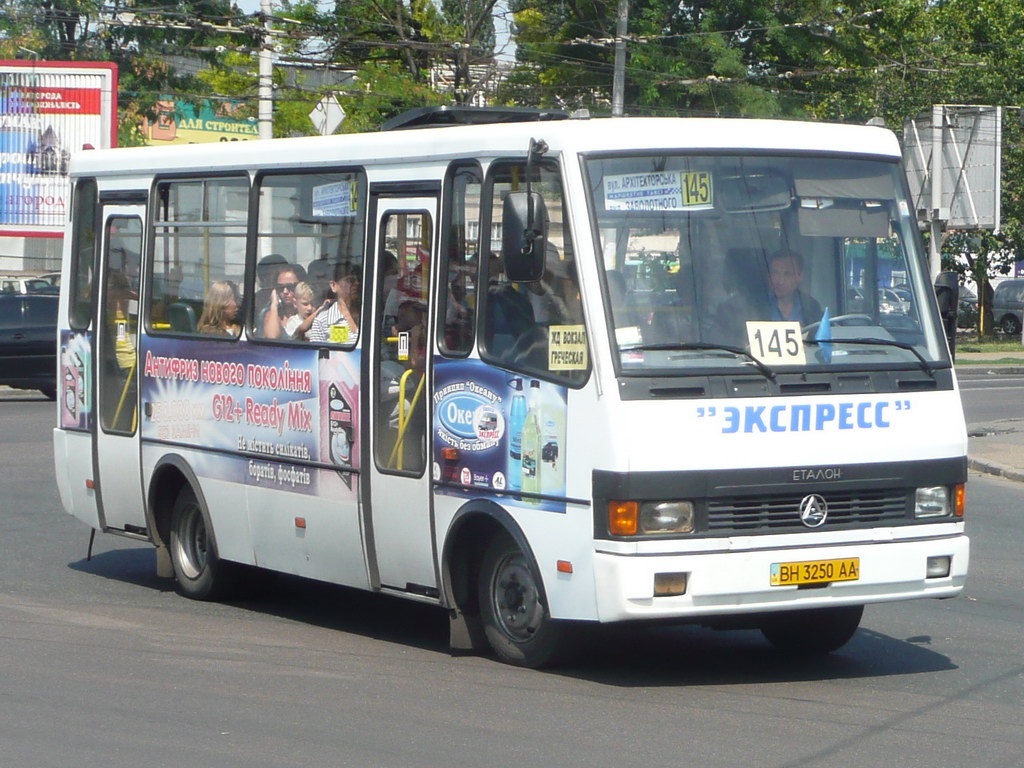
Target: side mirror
point(947, 293)
point(524, 235)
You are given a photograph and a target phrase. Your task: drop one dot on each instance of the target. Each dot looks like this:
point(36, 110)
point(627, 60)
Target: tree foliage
point(137, 40)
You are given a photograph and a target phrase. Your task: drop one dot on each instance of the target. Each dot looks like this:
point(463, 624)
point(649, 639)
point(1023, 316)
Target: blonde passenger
point(297, 326)
point(220, 310)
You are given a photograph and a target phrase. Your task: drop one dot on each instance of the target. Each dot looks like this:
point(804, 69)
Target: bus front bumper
point(733, 583)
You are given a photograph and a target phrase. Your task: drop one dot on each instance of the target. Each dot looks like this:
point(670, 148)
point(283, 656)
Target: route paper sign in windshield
point(659, 191)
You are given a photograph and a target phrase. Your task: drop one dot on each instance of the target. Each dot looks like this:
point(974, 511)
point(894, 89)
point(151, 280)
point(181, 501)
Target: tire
point(200, 574)
point(516, 621)
point(1010, 325)
point(813, 632)
point(49, 391)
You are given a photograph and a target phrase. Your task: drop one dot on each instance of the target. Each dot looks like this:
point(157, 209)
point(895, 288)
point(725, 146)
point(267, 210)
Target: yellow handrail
point(124, 394)
point(402, 422)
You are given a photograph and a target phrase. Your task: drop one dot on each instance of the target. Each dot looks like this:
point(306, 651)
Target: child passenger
point(298, 326)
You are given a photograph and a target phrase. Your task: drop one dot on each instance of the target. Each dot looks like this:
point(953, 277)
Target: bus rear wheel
point(813, 632)
point(516, 621)
point(200, 574)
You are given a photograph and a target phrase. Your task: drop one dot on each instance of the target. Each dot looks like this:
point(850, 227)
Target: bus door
point(117, 456)
point(397, 501)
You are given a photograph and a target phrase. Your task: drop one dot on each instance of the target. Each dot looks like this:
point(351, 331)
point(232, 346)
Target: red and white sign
point(48, 111)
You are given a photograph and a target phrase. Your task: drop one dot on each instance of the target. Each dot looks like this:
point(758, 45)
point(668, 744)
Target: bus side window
point(536, 328)
point(83, 254)
point(460, 245)
point(198, 265)
point(309, 249)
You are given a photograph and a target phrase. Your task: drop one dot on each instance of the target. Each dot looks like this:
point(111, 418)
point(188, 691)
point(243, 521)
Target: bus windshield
point(760, 262)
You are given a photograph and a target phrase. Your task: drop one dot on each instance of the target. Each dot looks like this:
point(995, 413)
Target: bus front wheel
point(516, 621)
point(200, 574)
point(812, 632)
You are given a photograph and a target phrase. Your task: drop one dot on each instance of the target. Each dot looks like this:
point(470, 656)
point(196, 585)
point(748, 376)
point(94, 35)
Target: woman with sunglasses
point(282, 304)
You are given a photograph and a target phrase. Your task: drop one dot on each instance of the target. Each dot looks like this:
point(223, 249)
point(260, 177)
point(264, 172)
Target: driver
point(785, 299)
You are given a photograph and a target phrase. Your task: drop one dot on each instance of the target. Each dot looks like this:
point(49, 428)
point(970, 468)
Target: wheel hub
point(519, 611)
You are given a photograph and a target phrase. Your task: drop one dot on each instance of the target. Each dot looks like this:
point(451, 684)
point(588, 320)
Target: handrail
point(402, 422)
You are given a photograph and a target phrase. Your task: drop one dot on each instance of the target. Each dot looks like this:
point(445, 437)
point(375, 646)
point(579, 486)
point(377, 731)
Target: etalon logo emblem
point(813, 510)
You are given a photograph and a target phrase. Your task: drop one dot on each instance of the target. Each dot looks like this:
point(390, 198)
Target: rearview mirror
point(947, 293)
point(755, 190)
point(524, 236)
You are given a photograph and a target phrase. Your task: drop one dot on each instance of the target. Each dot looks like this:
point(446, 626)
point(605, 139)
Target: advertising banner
point(76, 411)
point(48, 110)
point(183, 123)
point(284, 408)
point(500, 431)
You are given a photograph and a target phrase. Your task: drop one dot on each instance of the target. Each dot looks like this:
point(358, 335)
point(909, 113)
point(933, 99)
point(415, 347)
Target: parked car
point(28, 341)
point(967, 311)
point(23, 284)
point(890, 302)
point(1008, 307)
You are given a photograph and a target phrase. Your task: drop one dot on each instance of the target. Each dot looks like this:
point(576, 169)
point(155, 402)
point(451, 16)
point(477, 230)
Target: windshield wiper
point(925, 365)
point(680, 346)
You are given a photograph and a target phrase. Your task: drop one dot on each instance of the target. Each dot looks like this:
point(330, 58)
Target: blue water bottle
point(516, 419)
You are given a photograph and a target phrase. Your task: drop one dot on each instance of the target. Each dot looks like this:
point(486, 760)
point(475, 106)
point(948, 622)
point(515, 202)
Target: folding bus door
point(117, 457)
point(398, 498)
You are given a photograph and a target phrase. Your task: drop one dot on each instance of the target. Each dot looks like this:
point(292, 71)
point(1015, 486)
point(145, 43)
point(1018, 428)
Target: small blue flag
point(824, 335)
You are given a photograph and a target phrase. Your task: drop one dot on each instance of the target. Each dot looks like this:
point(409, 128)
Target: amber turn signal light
point(622, 518)
point(961, 497)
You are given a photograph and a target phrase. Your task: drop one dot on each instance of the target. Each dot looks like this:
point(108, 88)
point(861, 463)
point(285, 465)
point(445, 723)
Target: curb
point(994, 468)
point(1002, 368)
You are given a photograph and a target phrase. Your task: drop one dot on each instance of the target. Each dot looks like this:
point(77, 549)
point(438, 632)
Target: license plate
point(815, 572)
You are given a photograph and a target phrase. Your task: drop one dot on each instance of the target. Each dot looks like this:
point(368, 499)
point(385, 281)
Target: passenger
point(220, 310)
point(786, 300)
point(508, 314)
point(622, 314)
point(266, 273)
point(297, 326)
point(282, 303)
point(122, 299)
point(338, 323)
point(548, 295)
point(412, 319)
point(318, 275)
point(674, 321)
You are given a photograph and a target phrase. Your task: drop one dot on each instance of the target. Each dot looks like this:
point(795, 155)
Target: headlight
point(931, 502)
point(629, 518)
point(666, 517)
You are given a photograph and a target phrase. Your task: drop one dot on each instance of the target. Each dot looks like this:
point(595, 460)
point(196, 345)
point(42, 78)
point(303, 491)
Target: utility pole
point(266, 90)
point(619, 80)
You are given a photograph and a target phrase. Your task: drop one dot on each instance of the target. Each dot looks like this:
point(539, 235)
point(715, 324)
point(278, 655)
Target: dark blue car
point(28, 341)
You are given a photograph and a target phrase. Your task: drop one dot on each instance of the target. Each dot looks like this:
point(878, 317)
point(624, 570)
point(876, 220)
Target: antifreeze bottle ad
point(498, 431)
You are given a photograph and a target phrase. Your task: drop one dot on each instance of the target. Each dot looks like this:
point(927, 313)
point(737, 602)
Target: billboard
point(953, 161)
point(181, 122)
point(49, 109)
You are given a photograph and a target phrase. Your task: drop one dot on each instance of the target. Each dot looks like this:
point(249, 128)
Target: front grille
point(774, 514)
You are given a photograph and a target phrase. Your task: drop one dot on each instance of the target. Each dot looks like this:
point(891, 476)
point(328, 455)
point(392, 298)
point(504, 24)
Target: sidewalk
point(996, 448)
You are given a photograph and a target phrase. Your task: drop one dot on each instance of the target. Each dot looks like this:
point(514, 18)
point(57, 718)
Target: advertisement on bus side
point(283, 408)
point(75, 390)
point(499, 431)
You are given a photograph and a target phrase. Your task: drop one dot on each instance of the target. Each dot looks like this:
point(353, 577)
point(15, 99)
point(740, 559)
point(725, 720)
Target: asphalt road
point(105, 665)
point(990, 396)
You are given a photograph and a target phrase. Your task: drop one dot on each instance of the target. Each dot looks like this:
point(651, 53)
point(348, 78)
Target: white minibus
point(540, 372)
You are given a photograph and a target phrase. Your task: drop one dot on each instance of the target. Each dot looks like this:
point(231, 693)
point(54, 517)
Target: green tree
point(137, 38)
